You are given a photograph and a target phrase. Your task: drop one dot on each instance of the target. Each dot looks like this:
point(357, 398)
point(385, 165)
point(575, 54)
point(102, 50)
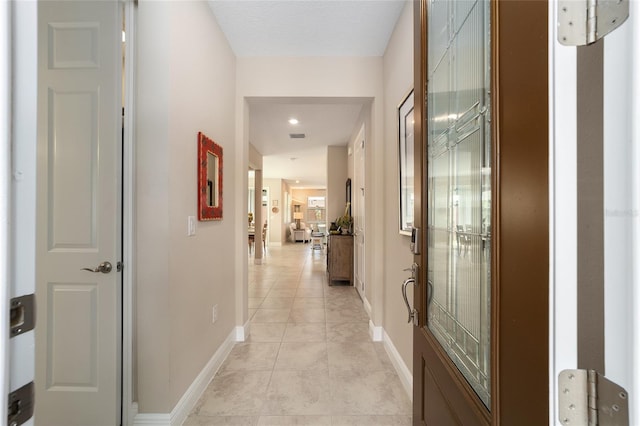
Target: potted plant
point(344, 222)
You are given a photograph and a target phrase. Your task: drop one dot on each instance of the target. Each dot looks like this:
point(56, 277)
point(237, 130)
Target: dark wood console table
point(340, 258)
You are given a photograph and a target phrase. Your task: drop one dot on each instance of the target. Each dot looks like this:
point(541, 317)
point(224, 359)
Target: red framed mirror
point(209, 179)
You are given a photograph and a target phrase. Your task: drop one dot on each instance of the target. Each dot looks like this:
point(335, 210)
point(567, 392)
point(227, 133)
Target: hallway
point(309, 359)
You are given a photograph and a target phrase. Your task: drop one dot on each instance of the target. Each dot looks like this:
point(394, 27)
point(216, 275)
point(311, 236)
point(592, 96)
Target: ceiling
point(300, 161)
point(304, 28)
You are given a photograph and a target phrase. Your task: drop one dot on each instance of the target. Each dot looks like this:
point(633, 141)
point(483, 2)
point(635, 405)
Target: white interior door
point(78, 354)
point(358, 194)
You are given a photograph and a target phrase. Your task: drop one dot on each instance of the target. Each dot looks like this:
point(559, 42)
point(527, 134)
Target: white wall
point(398, 81)
point(186, 81)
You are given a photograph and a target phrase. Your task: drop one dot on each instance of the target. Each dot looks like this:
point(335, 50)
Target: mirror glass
point(212, 182)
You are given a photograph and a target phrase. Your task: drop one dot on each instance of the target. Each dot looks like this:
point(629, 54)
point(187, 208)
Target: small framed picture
point(406, 157)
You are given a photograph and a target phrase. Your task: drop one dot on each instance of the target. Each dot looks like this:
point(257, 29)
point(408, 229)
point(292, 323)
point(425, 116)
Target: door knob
point(104, 267)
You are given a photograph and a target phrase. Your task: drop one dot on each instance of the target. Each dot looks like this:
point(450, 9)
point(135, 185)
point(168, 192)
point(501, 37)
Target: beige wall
point(398, 81)
point(337, 174)
point(285, 211)
point(186, 80)
point(275, 219)
point(300, 195)
point(255, 158)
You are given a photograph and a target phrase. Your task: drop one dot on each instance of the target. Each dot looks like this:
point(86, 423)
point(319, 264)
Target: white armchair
point(303, 234)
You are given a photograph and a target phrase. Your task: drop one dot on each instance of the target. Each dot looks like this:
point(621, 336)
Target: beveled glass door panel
point(459, 187)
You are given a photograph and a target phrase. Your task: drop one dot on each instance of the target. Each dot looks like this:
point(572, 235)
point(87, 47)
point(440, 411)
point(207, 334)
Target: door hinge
point(20, 408)
point(588, 398)
point(582, 22)
point(22, 314)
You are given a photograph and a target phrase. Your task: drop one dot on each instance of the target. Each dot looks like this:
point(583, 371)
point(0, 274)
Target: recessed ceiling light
point(297, 181)
point(293, 121)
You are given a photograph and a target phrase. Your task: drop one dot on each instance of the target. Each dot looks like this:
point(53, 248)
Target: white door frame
point(23, 22)
point(562, 211)
point(129, 407)
point(5, 192)
point(358, 193)
point(635, 135)
point(622, 205)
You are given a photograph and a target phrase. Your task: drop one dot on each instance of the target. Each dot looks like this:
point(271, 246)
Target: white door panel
point(78, 214)
point(72, 169)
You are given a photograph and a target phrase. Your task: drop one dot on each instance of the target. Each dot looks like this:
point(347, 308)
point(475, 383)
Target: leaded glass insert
point(459, 186)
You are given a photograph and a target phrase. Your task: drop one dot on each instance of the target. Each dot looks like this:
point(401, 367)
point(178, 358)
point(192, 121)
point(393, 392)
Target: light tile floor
point(309, 359)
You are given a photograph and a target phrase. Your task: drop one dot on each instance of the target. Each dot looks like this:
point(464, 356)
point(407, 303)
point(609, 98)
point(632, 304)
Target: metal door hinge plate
point(588, 398)
point(20, 408)
point(23, 314)
point(582, 22)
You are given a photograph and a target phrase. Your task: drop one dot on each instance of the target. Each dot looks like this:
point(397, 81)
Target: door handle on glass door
point(413, 269)
point(104, 267)
point(413, 314)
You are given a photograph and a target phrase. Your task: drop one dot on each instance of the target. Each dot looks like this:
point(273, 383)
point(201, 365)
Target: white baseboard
point(375, 332)
point(182, 409)
point(398, 363)
point(133, 412)
point(243, 331)
point(367, 305)
point(151, 419)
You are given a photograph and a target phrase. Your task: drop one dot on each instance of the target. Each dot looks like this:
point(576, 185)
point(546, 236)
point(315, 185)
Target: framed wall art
point(209, 179)
point(406, 158)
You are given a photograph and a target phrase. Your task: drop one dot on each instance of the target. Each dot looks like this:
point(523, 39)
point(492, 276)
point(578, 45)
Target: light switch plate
point(191, 226)
point(214, 314)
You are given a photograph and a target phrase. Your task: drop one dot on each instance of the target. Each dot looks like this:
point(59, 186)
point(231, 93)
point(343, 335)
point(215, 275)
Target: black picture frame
point(348, 196)
point(405, 162)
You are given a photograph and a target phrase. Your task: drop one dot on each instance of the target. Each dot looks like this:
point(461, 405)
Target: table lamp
point(297, 216)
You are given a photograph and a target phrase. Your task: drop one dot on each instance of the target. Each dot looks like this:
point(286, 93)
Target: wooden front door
point(481, 344)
